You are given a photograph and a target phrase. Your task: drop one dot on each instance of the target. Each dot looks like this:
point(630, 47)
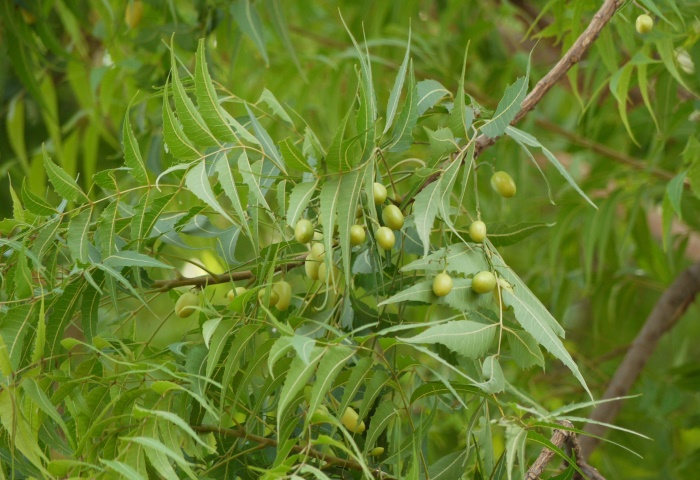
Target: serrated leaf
point(429, 93)
point(464, 337)
point(208, 102)
point(197, 181)
point(674, 192)
point(335, 160)
point(24, 286)
point(364, 123)
point(386, 411)
point(248, 20)
point(228, 183)
point(402, 136)
point(507, 108)
point(426, 207)
point(297, 376)
point(329, 198)
point(299, 200)
point(60, 313)
point(175, 140)
point(524, 349)
point(132, 153)
point(461, 118)
point(459, 258)
point(619, 87)
point(393, 104)
point(366, 73)
point(271, 101)
point(328, 369)
point(127, 258)
point(442, 143)
point(15, 129)
point(491, 369)
point(41, 400)
point(503, 235)
point(155, 448)
point(123, 469)
point(146, 215)
point(64, 185)
point(293, 156)
point(524, 138)
point(34, 203)
point(24, 436)
point(251, 179)
point(193, 124)
point(77, 237)
point(265, 140)
point(349, 197)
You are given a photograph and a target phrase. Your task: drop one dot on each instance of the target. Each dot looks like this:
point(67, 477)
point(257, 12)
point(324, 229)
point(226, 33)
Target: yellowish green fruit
point(484, 282)
point(133, 13)
point(274, 297)
point(385, 238)
point(235, 292)
point(186, 304)
point(477, 231)
point(392, 216)
point(442, 284)
point(304, 231)
point(284, 293)
point(379, 192)
point(357, 235)
point(351, 421)
point(358, 212)
point(644, 24)
point(503, 184)
point(323, 272)
point(376, 451)
point(314, 260)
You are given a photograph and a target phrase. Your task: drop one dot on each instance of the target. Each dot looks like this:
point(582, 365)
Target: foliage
point(100, 378)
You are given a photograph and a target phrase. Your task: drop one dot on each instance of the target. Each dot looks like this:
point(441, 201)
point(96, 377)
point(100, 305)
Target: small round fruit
point(237, 292)
point(484, 282)
point(385, 238)
point(314, 260)
point(503, 184)
point(357, 235)
point(379, 192)
point(644, 24)
point(304, 231)
point(323, 272)
point(376, 451)
point(186, 304)
point(442, 284)
point(274, 297)
point(350, 420)
point(359, 212)
point(392, 216)
point(284, 293)
point(477, 231)
point(133, 13)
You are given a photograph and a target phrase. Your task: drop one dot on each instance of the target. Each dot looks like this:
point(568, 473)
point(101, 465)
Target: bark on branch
point(566, 440)
point(666, 313)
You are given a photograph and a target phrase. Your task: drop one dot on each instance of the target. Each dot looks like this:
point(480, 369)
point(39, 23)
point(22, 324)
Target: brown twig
point(311, 452)
point(666, 313)
point(571, 57)
point(568, 440)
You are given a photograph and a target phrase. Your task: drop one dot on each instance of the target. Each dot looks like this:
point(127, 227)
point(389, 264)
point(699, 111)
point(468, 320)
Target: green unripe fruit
point(644, 24)
point(484, 282)
point(477, 231)
point(237, 292)
point(385, 238)
point(379, 192)
point(376, 451)
point(304, 231)
point(442, 284)
point(274, 297)
point(350, 420)
point(186, 304)
point(503, 184)
point(357, 235)
point(314, 260)
point(284, 294)
point(334, 273)
point(392, 217)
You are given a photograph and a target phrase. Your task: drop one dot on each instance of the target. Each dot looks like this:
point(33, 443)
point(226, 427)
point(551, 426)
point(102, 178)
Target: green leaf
point(459, 258)
point(503, 235)
point(127, 258)
point(208, 102)
point(364, 123)
point(175, 140)
point(13, 419)
point(15, 130)
point(619, 87)
point(123, 469)
point(523, 138)
point(24, 286)
point(155, 448)
point(64, 185)
point(393, 104)
point(193, 124)
point(174, 419)
point(507, 108)
point(132, 153)
point(197, 181)
point(524, 349)
point(328, 369)
point(77, 237)
point(329, 209)
point(297, 376)
point(491, 369)
point(274, 8)
point(386, 411)
point(461, 117)
point(89, 309)
point(35, 203)
point(674, 192)
point(271, 101)
point(335, 160)
point(299, 200)
point(429, 93)
point(348, 199)
point(228, 183)
point(248, 20)
point(402, 136)
point(265, 140)
point(251, 178)
point(60, 313)
point(41, 400)
point(426, 207)
point(366, 73)
point(293, 156)
point(464, 337)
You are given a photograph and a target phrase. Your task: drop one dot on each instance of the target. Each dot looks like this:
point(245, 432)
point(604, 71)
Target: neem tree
point(363, 299)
